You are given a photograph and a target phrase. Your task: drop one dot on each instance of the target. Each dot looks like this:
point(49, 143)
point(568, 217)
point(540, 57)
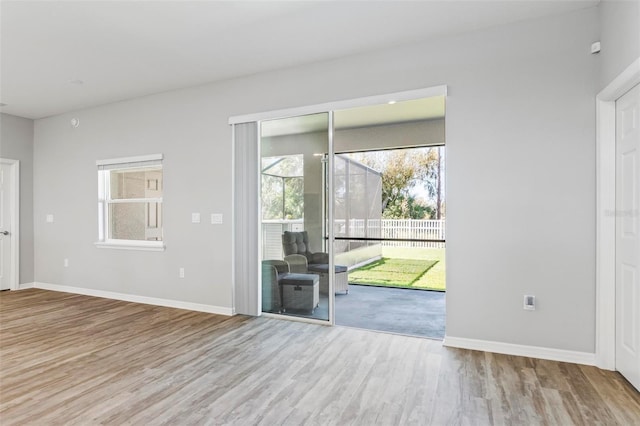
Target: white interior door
point(6, 209)
point(628, 236)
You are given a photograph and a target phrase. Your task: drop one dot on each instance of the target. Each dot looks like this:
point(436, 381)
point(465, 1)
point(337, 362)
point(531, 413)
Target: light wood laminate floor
point(71, 359)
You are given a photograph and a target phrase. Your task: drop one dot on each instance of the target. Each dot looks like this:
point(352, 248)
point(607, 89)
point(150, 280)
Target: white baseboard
point(561, 355)
point(25, 286)
point(136, 299)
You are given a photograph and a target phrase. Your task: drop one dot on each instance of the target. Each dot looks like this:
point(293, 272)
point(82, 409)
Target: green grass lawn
point(432, 279)
point(391, 272)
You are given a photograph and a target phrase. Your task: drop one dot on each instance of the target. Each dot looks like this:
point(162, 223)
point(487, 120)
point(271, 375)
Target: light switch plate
point(49, 218)
point(529, 303)
point(216, 218)
point(195, 217)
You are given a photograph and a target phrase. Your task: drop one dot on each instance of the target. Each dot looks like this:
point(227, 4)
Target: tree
point(402, 171)
point(431, 174)
point(282, 187)
point(408, 208)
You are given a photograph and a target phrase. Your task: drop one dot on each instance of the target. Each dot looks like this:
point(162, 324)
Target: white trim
point(124, 160)
point(25, 286)
point(131, 245)
point(14, 279)
point(605, 205)
point(220, 310)
point(605, 234)
point(627, 79)
point(233, 222)
point(344, 104)
point(560, 355)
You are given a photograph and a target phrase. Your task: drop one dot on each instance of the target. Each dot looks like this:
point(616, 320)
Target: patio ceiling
point(376, 115)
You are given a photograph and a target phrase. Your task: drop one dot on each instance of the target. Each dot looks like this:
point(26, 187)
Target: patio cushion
point(323, 269)
point(295, 242)
point(299, 279)
point(298, 243)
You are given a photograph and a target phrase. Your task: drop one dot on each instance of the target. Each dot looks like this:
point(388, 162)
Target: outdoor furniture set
point(295, 283)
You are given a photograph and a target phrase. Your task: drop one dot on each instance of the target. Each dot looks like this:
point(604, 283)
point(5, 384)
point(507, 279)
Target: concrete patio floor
point(404, 311)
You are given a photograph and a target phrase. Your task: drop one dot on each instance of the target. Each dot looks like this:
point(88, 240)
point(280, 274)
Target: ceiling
point(58, 56)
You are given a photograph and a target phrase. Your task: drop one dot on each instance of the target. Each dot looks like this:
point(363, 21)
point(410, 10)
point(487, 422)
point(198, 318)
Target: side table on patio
point(341, 281)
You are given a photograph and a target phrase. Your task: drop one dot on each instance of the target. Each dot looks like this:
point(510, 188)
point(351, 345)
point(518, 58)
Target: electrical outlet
point(66, 263)
point(195, 217)
point(216, 218)
point(529, 303)
point(49, 218)
point(181, 272)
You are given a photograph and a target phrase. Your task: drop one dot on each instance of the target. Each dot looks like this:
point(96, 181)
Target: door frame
point(327, 195)
point(15, 222)
point(605, 213)
point(328, 107)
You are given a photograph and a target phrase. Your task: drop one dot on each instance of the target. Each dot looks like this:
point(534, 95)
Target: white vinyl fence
point(410, 229)
point(413, 229)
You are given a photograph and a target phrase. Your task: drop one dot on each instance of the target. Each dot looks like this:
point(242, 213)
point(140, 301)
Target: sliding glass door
point(295, 254)
point(310, 205)
point(389, 217)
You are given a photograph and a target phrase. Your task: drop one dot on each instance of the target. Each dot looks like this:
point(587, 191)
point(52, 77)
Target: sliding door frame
point(328, 108)
point(329, 223)
point(344, 104)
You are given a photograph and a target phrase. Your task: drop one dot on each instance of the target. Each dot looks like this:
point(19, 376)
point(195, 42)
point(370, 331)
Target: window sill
point(132, 245)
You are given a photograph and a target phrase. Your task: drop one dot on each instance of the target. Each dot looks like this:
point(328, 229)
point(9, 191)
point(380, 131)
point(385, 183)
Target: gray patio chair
point(298, 243)
point(272, 271)
point(295, 246)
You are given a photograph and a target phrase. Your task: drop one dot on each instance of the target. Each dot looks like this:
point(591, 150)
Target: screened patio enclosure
point(282, 201)
point(358, 206)
point(357, 211)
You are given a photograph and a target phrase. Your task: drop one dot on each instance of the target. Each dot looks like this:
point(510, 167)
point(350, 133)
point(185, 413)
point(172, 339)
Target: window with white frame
point(130, 202)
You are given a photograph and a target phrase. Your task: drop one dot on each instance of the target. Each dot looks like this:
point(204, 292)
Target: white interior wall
point(620, 37)
point(16, 143)
point(520, 176)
